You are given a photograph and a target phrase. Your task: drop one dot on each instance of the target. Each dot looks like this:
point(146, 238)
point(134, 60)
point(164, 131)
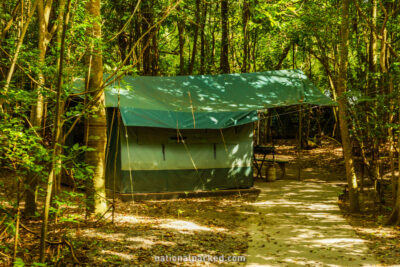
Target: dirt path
point(300, 224)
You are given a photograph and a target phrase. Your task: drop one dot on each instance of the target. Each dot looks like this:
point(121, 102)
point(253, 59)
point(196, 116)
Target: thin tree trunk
point(224, 59)
point(395, 216)
point(56, 136)
point(300, 133)
point(11, 21)
point(341, 89)
point(254, 50)
point(155, 56)
point(245, 20)
point(59, 32)
point(392, 144)
point(202, 38)
point(137, 35)
point(38, 109)
point(147, 22)
point(43, 36)
point(211, 62)
point(18, 48)
point(196, 33)
point(307, 135)
point(373, 55)
point(283, 56)
point(16, 237)
point(181, 33)
point(334, 109)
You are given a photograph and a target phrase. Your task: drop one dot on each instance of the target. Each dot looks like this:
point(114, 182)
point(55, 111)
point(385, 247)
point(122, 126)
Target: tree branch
point(375, 31)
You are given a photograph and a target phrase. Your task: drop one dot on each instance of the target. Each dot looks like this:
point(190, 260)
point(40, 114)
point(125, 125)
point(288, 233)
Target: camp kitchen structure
point(192, 133)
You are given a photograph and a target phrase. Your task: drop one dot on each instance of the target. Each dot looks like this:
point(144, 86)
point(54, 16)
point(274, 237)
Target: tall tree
point(44, 37)
point(55, 145)
point(96, 124)
point(341, 89)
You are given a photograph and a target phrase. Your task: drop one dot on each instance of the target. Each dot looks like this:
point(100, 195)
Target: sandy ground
point(298, 223)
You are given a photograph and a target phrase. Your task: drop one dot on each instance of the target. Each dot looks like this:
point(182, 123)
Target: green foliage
point(73, 161)
point(18, 262)
point(39, 264)
point(22, 149)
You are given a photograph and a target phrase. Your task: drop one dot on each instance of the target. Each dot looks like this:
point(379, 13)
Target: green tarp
point(209, 101)
point(150, 160)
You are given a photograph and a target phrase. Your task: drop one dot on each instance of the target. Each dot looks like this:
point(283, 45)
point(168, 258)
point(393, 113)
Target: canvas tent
point(189, 133)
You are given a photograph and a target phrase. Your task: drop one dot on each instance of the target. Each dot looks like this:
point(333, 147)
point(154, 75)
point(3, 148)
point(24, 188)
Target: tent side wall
point(156, 159)
point(113, 151)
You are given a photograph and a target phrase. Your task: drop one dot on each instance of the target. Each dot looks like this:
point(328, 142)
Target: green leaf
point(19, 262)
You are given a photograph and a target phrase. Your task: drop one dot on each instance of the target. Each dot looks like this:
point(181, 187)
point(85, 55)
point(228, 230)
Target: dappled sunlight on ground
point(186, 227)
point(380, 232)
point(299, 223)
point(125, 256)
point(142, 230)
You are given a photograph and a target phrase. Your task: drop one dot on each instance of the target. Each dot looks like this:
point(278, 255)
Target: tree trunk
point(373, 55)
point(391, 141)
point(38, 109)
point(395, 216)
point(283, 56)
point(4, 32)
point(181, 33)
point(96, 125)
point(137, 35)
point(31, 181)
point(147, 22)
point(341, 89)
point(224, 59)
point(43, 36)
point(56, 138)
point(202, 38)
point(17, 50)
point(245, 20)
point(155, 55)
point(196, 33)
point(211, 62)
point(253, 50)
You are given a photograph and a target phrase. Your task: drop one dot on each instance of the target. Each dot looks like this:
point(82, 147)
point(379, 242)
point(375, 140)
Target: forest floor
point(228, 226)
point(298, 223)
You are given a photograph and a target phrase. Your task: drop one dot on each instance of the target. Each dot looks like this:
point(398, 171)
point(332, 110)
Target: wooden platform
point(249, 192)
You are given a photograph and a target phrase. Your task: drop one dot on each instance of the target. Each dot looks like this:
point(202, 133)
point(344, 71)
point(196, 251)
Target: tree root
point(394, 218)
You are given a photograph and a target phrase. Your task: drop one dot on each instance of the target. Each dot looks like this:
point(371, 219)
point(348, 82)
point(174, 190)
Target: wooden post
point(299, 144)
point(258, 129)
point(362, 172)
